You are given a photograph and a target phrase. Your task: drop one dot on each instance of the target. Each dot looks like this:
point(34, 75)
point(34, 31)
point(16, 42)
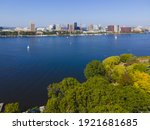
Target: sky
point(45, 12)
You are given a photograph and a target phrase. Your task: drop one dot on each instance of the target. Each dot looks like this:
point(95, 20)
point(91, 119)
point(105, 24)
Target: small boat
point(28, 47)
point(116, 37)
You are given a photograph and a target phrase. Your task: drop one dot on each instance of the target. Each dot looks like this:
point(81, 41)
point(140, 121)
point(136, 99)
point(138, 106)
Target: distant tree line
point(16, 33)
point(26, 33)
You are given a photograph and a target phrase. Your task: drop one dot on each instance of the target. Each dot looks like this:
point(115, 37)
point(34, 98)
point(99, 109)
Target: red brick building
point(111, 28)
point(126, 29)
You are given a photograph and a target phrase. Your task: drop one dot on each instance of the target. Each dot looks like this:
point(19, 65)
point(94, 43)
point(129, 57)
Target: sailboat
point(116, 37)
point(28, 47)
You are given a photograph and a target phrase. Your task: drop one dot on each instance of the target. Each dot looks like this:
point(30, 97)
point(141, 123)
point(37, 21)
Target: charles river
point(29, 64)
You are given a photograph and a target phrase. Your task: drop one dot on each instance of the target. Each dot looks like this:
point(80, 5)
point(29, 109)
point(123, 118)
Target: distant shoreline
point(68, 35)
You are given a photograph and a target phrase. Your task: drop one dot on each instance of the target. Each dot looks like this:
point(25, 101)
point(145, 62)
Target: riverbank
point(68, 35)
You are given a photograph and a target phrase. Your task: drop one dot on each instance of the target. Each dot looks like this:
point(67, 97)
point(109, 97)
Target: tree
point(52, 106)
point(130, 93)
point(141, 80)
point(94, 68)
point(69, 103)
point(115, 108)
point(110, 62)
point(98, 95)
point(117, 73)
point(62, 96)
point(126, 79)
point(12, 108)
point(140, 67)
point(59, 89)
point(126, 57)
point(132, 99)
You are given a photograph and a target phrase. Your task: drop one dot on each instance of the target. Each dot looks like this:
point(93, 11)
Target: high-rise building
point(58, 27)
point(32, 27)
point(116, 29)
point(71, 28)
point(75, 26)
point(91, 28)
point(1, 28)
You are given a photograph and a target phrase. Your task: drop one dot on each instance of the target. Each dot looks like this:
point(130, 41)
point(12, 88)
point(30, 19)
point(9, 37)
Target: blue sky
point(45, 12)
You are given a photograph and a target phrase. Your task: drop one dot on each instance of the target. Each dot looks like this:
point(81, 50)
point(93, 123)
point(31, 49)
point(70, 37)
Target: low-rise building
point(39, 33)
point(26, 29)
point(103, 29)
point(8, 29)
point(138, 29)
point(96, 28)
point(51, 28)
point(126, 29)
point(111, 28)
point(19, 29)
point(41, 29)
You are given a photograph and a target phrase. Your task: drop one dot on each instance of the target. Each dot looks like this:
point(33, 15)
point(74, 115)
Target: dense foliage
point(15, 33)
point(12, 108)
point(95, 68)
point(117, 84)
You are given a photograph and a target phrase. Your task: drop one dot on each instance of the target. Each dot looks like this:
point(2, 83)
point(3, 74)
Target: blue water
point(26, 73)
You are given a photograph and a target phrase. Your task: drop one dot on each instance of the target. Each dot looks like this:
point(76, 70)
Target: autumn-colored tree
point(118, 84)
point(141, 80)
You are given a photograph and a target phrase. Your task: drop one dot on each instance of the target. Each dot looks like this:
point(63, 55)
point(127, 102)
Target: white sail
point(116, 37)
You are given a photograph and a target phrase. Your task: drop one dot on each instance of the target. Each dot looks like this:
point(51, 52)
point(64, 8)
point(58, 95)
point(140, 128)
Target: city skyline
point(105, 12)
